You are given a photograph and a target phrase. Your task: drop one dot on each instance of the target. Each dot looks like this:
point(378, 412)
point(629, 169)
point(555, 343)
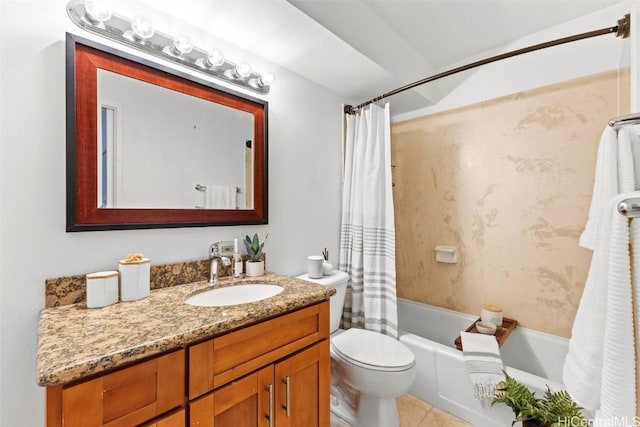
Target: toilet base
point(341, 409)
point(376, 411)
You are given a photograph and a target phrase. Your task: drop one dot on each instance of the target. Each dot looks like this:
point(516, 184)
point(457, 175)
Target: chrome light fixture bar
point(94, 16)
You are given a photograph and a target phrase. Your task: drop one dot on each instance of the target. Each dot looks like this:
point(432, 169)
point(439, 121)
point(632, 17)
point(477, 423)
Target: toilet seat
point(372, 350)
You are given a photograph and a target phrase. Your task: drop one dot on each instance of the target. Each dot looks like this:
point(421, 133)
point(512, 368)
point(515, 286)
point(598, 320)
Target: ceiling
point(363, 48)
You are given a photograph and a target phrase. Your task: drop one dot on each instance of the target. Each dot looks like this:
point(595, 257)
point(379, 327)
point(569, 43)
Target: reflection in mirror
point(159, 148)
point(151, 147)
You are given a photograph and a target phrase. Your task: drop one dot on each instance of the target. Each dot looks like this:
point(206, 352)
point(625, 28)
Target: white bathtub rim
point(471, 318)
point(520, 375)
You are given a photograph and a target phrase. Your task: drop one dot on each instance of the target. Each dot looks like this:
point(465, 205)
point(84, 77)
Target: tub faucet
point(214, 256)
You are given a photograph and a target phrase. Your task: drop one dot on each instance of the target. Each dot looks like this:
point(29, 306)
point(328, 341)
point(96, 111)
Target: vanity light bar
point(138, 33)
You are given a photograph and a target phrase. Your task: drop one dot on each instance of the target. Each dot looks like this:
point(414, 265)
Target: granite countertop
point(75, 342)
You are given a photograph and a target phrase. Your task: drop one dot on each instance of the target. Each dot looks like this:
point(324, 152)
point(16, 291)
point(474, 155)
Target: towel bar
point(200, 187)
point(628, 120)
point(630, 207)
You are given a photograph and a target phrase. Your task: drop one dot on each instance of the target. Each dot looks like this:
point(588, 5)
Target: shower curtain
point(367, 234)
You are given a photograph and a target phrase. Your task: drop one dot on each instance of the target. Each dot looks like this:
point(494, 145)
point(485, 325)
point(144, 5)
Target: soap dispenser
point(237, 260)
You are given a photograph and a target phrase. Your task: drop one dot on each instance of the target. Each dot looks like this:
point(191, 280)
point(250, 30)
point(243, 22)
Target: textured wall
point(509, 182)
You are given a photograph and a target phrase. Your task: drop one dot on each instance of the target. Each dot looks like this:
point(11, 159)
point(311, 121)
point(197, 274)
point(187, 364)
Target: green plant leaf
point(254, 247)
point(551, 409)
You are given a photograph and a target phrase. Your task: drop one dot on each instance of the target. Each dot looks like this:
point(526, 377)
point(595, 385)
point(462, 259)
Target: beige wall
point(509, 182)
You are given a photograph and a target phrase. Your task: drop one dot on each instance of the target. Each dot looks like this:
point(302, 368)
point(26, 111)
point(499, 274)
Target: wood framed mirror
point(152, 147)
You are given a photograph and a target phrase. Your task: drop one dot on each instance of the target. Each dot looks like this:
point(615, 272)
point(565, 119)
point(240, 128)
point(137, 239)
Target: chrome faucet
point(214, 256)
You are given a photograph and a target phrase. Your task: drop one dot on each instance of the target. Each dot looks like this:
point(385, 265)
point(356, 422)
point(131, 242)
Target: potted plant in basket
point(255, 265)
point(554, 409)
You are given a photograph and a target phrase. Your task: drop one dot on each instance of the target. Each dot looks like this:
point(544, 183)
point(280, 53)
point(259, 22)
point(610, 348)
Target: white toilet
point(378, 367)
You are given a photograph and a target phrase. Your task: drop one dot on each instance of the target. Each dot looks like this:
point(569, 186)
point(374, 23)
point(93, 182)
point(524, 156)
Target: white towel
point(605, 185)
point(626, 174)
point(221, 197)
point(635, 153)
point(635, 262)
point(599, 365)
point(618, 395)
point(615, 174)
point(199, 198)
point(482, 359)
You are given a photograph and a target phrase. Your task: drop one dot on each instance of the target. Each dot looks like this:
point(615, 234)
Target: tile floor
point(416, 413)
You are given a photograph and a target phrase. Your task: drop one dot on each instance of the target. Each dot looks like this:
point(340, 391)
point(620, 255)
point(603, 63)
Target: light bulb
point(264, 80)
point(215, 58)
point(243, 69)
point(267, 79)
point(142, 28)
point(182, 45)
point(96, 11)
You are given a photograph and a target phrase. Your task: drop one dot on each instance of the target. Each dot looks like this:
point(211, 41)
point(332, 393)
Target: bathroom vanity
point(161, 362)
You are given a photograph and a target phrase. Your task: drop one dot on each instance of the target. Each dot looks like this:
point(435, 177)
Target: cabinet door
point(302, 398)
point(246, 402)
point(130, 396)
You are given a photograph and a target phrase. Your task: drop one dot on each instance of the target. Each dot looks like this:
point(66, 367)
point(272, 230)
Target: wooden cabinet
point(273, 373)
point(292, 392)
point(248, 401)
point(127, 397)
point(302, 388)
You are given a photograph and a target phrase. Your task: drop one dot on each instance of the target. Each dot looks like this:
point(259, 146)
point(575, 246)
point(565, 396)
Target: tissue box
point(102, 289)
point(134, 279)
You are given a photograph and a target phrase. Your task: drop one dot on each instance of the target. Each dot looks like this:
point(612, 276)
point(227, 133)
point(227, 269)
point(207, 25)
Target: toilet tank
point(337, 280)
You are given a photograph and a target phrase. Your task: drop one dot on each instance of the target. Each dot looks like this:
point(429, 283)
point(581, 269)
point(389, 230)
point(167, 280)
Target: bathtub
point(533, 358)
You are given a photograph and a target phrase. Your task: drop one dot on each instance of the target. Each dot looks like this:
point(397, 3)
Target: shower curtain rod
point(620, 30)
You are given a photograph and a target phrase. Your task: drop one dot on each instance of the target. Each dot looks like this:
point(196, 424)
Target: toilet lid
point(373, 350)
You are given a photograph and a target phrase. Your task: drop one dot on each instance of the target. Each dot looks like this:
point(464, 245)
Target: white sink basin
point(233, 295)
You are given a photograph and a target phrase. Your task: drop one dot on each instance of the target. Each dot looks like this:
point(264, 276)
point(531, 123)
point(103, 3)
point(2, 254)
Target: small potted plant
point(255, 265)
point(554, 409)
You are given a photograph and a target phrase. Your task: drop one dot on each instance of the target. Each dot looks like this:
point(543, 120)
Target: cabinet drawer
point(222, 359)
point(129, 396)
